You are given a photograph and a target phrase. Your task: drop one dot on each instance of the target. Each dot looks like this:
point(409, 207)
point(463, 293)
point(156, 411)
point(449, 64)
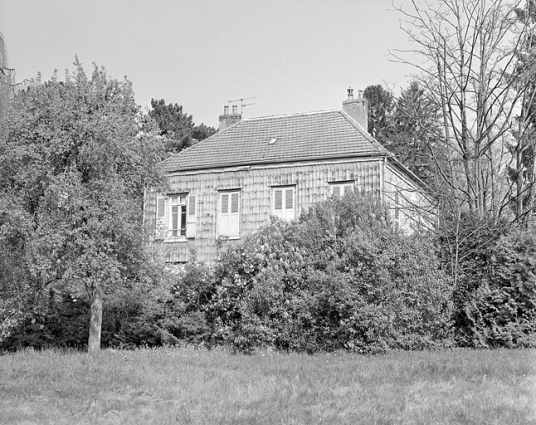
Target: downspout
point(382, 178)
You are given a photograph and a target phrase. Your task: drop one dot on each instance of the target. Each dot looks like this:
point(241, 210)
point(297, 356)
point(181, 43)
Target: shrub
point(341, 277)
point(502, 311)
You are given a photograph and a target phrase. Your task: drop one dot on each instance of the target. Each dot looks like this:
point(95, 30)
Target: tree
point(74, 165)
point(414, 134)
point(201, 132)
point(177, 126)
point(406, 125)
point(6, 77)
point(380, 106)
point(523, 147)
point(469, 50)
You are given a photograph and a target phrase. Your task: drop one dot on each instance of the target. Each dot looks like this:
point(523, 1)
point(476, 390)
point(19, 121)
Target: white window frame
point(339, 189)
point(284, 202)
point(176, 214)
point(229, 206)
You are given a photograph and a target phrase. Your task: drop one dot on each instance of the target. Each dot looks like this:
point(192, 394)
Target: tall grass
point(189, 386)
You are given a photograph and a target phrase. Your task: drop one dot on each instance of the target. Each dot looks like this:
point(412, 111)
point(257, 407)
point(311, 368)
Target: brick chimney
point(229, 119)
point(357, 108)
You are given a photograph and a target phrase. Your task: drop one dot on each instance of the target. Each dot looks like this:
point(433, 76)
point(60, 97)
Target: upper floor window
point(284, 202)
point(341, 188)
point(229, 214)
point(177, 215)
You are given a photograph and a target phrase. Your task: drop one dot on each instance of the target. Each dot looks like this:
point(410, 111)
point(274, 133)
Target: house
point(230, 184)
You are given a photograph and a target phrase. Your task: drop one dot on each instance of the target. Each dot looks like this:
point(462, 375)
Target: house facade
point(230, 184)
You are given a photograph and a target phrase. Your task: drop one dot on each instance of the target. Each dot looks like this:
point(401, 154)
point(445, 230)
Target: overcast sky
point(291, 55)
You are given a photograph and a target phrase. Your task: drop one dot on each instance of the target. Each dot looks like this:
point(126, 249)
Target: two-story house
point(230, 184)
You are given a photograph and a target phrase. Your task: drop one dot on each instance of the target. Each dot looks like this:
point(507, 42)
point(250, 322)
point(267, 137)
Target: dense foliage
point(176, 126)
point(74, 161)
point(341, 277)
point(500, 311)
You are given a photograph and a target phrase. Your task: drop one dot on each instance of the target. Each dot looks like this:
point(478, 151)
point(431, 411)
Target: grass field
point(187, 386)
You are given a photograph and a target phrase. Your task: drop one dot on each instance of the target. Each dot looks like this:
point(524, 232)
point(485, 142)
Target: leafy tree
point(414, 135)
point(407, 126)
point(73, 166)
point(177, 126)
point(201, 132)
point(380, 107)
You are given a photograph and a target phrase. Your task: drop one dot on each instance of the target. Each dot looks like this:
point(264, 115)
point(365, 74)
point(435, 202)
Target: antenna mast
point(242, 104)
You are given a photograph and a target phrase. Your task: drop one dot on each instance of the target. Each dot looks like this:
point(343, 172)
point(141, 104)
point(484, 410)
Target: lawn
point(189, 386)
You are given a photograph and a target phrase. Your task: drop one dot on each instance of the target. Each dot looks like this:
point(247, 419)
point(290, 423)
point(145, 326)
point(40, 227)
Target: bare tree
point(523, 146)
point(469, 51)
point(471, 56)
point(7, 77)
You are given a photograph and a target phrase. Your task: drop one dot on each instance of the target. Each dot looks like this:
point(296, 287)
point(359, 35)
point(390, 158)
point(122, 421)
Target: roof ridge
point(296, 114)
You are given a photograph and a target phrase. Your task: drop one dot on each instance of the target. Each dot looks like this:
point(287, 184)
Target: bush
point(167, 309)
point(339, 278)
point(59, 321)
point(502, 311)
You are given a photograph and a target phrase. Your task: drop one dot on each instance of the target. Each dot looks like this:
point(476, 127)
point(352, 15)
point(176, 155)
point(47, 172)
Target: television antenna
point(242, 104)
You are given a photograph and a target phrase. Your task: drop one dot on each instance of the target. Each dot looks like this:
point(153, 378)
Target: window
point(177, 225)
point(176, 214)
point(283, 203)
point(341, 189)
point(229, 214)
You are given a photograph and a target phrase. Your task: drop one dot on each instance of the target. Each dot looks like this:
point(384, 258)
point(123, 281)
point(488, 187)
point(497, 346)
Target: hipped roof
point(278, 139)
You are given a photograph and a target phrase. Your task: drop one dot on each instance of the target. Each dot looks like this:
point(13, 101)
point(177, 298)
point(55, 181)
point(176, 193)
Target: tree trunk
point(519, 179)
point(95, 322)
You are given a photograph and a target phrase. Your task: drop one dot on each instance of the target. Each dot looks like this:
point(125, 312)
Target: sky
point(290, 56)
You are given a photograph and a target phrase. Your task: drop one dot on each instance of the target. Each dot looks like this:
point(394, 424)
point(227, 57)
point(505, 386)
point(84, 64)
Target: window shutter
point(347, 188)
point(224, 203)
point(289, 199)
point(289, 204)
point(234, 218)
point(191, 218)
point(278, 200)
point(162, 215)
point(336, 191)
point(234, 203)
point(160, 208)
point(224, 215)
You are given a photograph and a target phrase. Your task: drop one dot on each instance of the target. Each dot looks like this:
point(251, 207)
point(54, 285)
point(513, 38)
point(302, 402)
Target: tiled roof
point(299, 137)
